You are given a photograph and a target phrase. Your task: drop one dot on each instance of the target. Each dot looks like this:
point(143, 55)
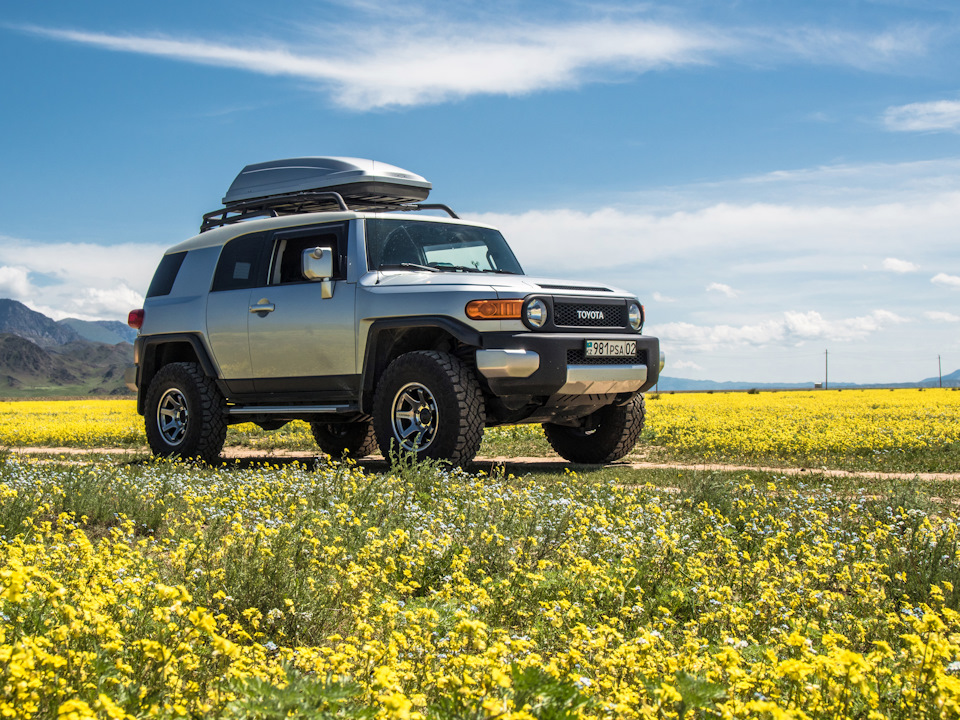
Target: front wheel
point(355, 438)
point(184, 414)
point(605, 436)
point(429, 404)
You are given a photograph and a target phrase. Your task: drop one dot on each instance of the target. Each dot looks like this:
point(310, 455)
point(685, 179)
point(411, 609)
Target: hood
point(524, 284)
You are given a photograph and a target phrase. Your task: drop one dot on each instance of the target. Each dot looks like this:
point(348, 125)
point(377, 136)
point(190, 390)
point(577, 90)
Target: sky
point(778, 182)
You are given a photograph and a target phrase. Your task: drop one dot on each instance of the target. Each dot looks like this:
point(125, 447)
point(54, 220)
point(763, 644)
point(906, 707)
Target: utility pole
point(940, 370)
point(826, 369)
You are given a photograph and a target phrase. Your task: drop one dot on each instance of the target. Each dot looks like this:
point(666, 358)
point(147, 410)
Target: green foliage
point(302, 697)
point(532, 690)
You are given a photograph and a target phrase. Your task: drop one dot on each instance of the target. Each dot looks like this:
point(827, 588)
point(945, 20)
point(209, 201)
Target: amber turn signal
point(494, 309)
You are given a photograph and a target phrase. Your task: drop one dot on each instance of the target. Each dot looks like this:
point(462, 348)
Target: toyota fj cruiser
point(312, 296)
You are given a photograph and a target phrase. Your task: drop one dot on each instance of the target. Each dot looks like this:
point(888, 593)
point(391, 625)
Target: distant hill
point(77, 368)
point(110, 332)
point(669, 384)
point(39, 356)
point(17, 319)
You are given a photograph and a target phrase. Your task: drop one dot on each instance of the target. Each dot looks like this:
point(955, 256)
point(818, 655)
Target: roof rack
point(307, 202)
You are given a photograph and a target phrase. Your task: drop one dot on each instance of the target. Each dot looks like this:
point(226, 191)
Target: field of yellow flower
point(906, 430)
point(910, 429)
point(158, 589)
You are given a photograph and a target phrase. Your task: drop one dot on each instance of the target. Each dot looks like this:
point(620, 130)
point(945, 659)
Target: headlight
point(536, 313)
point(635, 316)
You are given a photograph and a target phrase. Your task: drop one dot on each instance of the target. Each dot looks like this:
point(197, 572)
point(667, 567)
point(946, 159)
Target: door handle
point(263, 306)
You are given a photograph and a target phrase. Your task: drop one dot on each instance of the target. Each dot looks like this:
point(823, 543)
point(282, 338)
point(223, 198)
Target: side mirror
point(317, 264)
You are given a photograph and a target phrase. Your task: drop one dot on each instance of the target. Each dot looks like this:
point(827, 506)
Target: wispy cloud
point(790, 327)
point(379, 69)
point(722, 289)
point(899, 266)
point(940, 115)
point(944, 279)
point(940, 316)
point(866, 51)
point(415, 63)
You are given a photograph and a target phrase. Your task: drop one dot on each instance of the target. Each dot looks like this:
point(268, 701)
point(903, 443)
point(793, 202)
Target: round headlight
point(635, 316)
point(536, 313)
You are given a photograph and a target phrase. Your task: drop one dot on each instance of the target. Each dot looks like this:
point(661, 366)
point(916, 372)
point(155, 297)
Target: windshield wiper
point(409, 265)
point(459, 268)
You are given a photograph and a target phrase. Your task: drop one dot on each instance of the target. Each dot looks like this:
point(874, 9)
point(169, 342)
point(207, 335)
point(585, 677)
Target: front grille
point(577, 357)
point(570, 315)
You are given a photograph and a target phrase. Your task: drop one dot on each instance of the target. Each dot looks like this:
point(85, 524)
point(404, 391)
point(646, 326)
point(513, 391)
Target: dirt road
point(516, 465)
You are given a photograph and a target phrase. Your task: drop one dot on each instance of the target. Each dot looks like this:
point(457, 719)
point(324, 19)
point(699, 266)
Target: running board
point(287, 409)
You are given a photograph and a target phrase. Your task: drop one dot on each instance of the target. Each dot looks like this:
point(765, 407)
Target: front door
point(302, 342)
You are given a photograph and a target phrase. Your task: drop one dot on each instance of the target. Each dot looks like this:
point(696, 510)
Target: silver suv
point(311, 296)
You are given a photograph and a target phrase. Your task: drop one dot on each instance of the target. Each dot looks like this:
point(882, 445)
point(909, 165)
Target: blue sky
point(773, 179)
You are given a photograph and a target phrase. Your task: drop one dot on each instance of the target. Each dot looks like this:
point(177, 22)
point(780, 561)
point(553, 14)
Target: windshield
point(436, 246)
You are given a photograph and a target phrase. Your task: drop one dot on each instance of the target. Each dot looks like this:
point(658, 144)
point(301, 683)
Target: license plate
point(611, 348)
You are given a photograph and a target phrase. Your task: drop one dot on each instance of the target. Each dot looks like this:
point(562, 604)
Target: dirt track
point(512, 464)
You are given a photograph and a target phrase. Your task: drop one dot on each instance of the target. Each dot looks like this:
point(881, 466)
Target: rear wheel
point(605, 436)
point(429, 404)
point(355, 438)
point(184, 414)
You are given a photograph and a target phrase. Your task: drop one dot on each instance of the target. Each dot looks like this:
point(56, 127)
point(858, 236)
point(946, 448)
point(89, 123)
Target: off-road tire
point(449, 392)
point(355, 438)
point(192, 423)
point(607, 435)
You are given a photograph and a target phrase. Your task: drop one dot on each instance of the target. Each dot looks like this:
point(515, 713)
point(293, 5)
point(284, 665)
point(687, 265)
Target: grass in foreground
point(157, 589)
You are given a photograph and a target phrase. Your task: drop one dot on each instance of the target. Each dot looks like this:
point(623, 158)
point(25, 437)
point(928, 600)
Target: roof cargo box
point(359, 181)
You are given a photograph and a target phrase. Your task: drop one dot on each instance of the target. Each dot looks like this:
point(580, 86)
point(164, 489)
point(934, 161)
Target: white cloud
point(940, 316)
point(14, 282)
point(789, 328)
point(944, 279)
point(924, 117)
point(807, 237)
point(82, 280)
point(899, 266)
point(722, 289)
point(382, 67)
point(396, 62)
point(660, 297)
point(684, 365)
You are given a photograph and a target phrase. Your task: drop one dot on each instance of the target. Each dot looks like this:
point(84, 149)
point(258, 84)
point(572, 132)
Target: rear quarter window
point(166, 274)
point(241, 264)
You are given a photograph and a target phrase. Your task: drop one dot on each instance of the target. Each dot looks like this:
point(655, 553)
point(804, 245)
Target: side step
point(290, 410)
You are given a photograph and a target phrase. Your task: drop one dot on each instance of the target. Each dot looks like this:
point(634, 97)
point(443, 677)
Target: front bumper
point(546, 364)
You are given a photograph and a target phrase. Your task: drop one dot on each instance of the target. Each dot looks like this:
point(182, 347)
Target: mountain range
point(669, 384)
point(42, 357)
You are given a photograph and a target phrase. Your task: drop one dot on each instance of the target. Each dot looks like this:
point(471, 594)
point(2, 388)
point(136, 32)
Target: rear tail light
point(135, 319)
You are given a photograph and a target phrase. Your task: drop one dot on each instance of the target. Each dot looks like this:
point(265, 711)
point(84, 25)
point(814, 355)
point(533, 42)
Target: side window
point(165, 275)
point(240, 265)
point(289, 251)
